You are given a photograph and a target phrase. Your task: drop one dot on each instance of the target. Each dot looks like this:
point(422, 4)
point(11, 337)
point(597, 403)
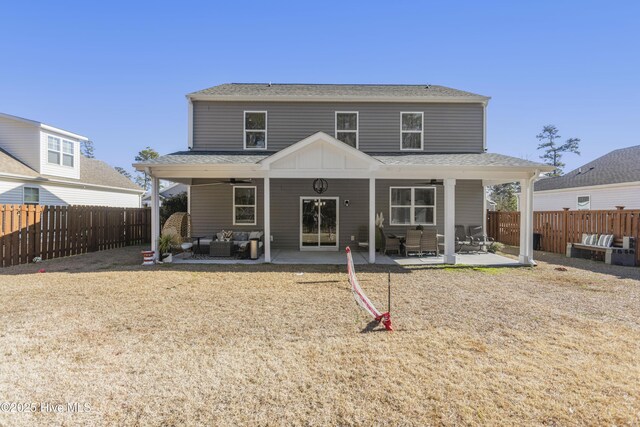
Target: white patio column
point(155, 214)
point(530, 224)
point(450, 221)
point(267, 220)
point(525, 238)
point(372, 220)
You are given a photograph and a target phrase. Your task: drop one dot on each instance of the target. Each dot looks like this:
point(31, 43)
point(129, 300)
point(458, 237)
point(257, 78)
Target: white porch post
point(449, 221)
point(525, 237)
point(267, 220)
point(155, 215)
point(372, 220)
point(530, 223)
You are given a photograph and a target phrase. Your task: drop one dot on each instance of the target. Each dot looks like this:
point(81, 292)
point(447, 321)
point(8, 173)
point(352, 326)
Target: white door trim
point(320, 248)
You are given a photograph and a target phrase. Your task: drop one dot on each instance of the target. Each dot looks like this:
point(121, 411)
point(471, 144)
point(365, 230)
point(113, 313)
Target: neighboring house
point(608, 181)
point(173, 189)
point(41, 164)
point(261, 154)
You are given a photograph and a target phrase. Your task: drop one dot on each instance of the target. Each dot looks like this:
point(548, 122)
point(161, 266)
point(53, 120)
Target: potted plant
point(165, 243)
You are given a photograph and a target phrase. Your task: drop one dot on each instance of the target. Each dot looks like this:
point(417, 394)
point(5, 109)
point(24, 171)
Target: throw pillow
point(586, 238)
point(594, 239)
point(609, 241)
point(601, 241)
point(227, 235)
point(240, 236)
point(220, 235)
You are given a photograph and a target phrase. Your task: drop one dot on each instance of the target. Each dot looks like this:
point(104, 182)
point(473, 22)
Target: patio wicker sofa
point(238, 244)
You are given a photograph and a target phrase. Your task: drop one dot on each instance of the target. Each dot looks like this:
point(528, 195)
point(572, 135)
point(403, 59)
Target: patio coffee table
point(220, 248)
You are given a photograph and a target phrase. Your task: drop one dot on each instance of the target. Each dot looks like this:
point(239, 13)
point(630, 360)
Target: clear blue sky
point(117, 72)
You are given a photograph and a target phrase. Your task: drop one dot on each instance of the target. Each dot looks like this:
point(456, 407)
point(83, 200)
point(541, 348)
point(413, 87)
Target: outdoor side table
point(220, 248)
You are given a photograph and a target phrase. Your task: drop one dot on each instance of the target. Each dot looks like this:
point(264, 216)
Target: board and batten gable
point(47, 168)
point(21, 140)
point(447, 128)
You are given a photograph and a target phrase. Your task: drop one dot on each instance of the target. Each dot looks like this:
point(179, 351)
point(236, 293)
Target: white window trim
point(245, 130)
point(421, 132)
point(578, 205)
point(24, 202)
point(357, 131)
point(413, 206)
point(255, 205)
point(61, 152)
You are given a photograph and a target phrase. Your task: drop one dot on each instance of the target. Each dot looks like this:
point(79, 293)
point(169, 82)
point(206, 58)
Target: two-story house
point(42, 164)
point(312, 164)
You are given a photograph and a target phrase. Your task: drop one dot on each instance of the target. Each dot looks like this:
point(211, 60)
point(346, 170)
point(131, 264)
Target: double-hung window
point(584, 203)
point(411, 131)
point(347, 127)
point(60, 151)
point(412, 206)
point(31, 196)
point(255, 130)
point(244, 205)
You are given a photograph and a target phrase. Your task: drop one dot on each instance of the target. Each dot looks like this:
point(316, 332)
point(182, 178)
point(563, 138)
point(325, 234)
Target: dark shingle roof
point(266, 90)
point(13, 166)
point(97, 172)
point(92, 171)
point(240, 157)
point(618, 166)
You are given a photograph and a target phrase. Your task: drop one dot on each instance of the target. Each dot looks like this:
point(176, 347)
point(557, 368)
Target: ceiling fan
point(431, 182)
point(230, 181)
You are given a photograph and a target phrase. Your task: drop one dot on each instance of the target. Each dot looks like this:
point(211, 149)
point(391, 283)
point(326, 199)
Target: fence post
point(565, 227)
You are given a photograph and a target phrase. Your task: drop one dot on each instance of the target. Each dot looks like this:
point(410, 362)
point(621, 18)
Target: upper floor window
point(60, 151)
point(244, 205)
point(347, 127)
point(411, 131)
point(584, 203)
point(412, 206)
point(31, 196)
point(255, 130)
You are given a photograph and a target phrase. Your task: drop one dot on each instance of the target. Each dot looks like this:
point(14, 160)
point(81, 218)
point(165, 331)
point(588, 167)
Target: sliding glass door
point(319, 223)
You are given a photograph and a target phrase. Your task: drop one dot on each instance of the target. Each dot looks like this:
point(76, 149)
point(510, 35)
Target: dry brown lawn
point(264, 345)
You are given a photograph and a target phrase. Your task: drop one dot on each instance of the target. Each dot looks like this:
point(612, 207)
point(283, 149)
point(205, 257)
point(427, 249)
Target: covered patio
point(294, 257)
point(367, 176)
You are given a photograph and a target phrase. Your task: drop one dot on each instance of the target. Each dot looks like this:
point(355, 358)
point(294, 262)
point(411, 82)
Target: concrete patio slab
point(293, 257)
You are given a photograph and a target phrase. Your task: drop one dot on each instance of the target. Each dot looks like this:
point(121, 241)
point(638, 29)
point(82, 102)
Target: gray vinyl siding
point(285, 209)
point(469, 203)
point(212, 207)
point(448, 127)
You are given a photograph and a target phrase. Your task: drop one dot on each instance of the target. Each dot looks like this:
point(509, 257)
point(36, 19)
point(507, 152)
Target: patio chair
point(412, 242)
point(179, 224)
point(363, 237)
point(389, 243)
point(462, 238)
point(429, 242)
point(478, 237)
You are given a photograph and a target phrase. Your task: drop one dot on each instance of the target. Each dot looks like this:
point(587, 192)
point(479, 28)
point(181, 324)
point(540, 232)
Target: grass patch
point(260, 345)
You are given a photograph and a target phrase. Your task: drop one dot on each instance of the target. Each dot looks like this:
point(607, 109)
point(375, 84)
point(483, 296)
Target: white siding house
point(603, 184)
point(40, 164)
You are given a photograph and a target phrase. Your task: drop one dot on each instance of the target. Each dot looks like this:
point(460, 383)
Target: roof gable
point(317, 153)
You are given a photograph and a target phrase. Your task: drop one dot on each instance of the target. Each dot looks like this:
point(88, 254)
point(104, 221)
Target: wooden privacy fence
point(28, 231)
point(557, 228)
